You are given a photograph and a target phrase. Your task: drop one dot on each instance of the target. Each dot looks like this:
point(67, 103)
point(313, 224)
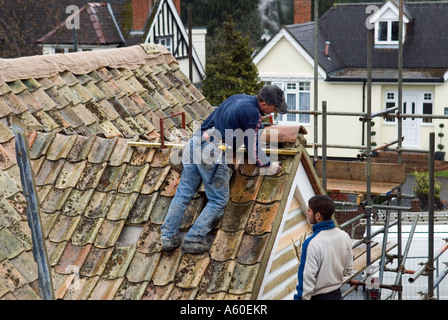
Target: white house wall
point(283, 62)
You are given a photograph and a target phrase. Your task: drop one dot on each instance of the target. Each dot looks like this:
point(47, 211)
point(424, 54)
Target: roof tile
point(95, 262)
point(86, 231)
point(119, 262)
point(218, 276)
point(131, 291)
point(272, 188)
point(154, 179)
point(191, 269)
point(252, 248)
point(111, 178)
point(101, 149)
point(73, 257)
point(244, 188)
point(142, 266)
point(133, 178)
point(262, 218)
point(81, 148)
point(149, 240)
point(60, 146)
point(160, 209)
point(70, 174)
point(154, 292)
point(121, 206)
point(236, 215)
point(55, 200)
point(63, 228)
point(167, 267)
point(226, 245)
point(49, 172)
point(99, 204)
point(109, 233)
point(10, 246)
point(142, 208)
point(91, 175)
point(10, 276)
point(106, 289)
point(243, 279)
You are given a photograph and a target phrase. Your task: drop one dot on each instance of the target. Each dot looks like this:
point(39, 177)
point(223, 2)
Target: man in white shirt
point(326, 257)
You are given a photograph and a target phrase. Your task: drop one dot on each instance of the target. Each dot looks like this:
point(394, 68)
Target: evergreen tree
point(232, 70)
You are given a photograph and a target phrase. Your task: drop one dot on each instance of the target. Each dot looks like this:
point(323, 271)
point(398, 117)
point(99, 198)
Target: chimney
point(327, 47)
point(177, 5)
point(302, 11)
point(140, 12)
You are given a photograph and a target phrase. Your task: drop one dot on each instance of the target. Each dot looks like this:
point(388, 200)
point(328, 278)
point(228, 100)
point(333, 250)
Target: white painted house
point(287, 60)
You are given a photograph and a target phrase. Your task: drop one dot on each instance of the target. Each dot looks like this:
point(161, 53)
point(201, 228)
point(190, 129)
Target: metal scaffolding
point(366, 118)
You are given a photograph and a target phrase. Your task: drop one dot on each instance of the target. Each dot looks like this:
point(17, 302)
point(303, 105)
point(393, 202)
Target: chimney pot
point(327, 47)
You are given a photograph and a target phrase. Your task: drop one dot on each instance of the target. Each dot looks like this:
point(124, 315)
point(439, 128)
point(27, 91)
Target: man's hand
point(273, 169)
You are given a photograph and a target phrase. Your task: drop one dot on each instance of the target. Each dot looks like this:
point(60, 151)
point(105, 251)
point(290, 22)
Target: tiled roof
point(344, 25)
point(98, 23)
point(102, 202)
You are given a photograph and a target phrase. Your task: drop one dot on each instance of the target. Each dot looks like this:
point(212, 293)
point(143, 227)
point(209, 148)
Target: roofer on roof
point(204, 159)
point(326, 257)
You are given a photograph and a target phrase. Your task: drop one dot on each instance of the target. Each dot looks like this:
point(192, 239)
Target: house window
point(297, 95)
point(390, 103)
point(387, 33)
point(427, 106)
point(166, 42)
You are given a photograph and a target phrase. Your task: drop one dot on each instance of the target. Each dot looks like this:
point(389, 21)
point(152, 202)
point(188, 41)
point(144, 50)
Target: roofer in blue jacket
point(236, 121)
point(326, 257)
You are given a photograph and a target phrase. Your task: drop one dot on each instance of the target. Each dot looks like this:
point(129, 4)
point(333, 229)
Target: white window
point(166, 42)
point(297, 95)
point(427, 106)
point(390, 103)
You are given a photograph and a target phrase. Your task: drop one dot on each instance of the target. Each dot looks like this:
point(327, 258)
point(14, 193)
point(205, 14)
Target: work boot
point(169, 244)
point(195, 246)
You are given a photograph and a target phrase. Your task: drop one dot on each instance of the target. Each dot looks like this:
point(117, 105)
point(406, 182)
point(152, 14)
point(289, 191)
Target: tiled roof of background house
point(99, 27)
point(102, 201)
point(344, 25)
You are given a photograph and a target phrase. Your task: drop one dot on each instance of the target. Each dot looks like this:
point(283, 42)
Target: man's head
point(320, 208)
point(272, 99)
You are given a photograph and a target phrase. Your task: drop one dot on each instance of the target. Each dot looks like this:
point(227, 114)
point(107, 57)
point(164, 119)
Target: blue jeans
point(217, 191)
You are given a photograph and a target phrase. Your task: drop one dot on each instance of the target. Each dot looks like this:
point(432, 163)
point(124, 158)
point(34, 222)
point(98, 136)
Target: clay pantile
point(121, 206)
point(243, 279)
point(29, 101)
point(81, 148)
point(73, 257)
point(122, 153)
point(55, 200)
point(8, 215)
point(133, 178)
point(235, 216)
point(55, 96)
point(149, 240)
point(7, 158)
point(14, 104)
point(49, 172)
point(105, 289)
point(22, 233)
point(10, 246)
point(46, 121)
point(142, 266)
point(77, 202)
point(160, 209)
point(167, 267)
point(244, 189)
point(83, 116)
point(217, 276)
point(10, 276)
point(95, 262)
point(6, 133)
point(119, 262)
point(99, 204)
point(43, 99)
point(86, 231)
point(226, 245)
point(154, 179)
point(111, 178)
point(193, 210)
point(262, 218)
point(83, 288)
point(109, 233)
point(41, 144)
point(191, 269)
point(8, 186)
point(142, 208)
point(93, 90)
point(63, 228)
point(169, 186)
point(252, 248)
point(60, 146)
point(70, 174)
point(272, 188)
point(131, 291)
point(91, 175)
point(101, 150)
point(154, 292)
